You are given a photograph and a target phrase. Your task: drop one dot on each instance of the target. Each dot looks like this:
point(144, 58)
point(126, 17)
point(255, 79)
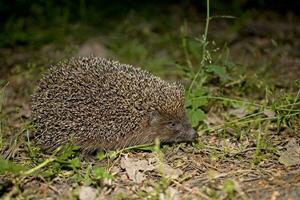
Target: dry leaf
point(291, 156)
point(239, 112)
point(135, 168)
point(229, 146)
point(172, 193)
point(87, 193)
point(213, 119)
point(171, 172)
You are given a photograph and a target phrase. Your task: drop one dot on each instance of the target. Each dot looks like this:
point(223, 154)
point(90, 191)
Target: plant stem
point(205, 32)
point(295, 100)
point(185, 45)
point(244, 122)
point(279, 108)
point(204, 37)
point(49, 160)
point(1, 114)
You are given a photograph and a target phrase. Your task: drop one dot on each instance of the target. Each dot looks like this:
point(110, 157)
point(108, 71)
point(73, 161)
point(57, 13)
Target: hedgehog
point(101, 104)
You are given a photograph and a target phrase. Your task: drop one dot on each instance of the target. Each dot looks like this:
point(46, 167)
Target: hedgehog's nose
point(193, 135)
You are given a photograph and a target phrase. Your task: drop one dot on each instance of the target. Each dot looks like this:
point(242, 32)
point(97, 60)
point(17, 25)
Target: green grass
point(1, 118)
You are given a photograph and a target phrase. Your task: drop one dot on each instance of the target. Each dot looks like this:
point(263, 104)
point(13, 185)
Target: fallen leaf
point(170, 172)
point(213, 119)
point(239, 112)
point(291, 156)
point(87, 193)
point(172, 193)
point(135, 168)
point(229, 146)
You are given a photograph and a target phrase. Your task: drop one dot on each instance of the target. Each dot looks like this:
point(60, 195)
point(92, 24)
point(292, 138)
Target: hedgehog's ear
point(154, 118)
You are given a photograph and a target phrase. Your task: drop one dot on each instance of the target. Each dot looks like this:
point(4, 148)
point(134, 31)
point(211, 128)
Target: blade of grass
point(204, 40)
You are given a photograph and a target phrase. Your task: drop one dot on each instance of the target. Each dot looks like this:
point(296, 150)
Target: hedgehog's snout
point(191, 134)
point(185, 133)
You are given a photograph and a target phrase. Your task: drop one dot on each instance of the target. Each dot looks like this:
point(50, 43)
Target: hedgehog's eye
point(172, 125)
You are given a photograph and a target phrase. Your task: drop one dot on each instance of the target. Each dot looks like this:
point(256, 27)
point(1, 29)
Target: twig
point(199, 193)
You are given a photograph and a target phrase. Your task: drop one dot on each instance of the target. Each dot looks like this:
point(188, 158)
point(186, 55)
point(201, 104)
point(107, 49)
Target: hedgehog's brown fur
point(102, 104)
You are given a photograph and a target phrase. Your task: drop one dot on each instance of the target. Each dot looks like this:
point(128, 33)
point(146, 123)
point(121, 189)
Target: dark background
point(26, 15)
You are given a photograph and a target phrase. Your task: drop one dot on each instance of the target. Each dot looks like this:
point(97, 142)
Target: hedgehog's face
point(170, 129)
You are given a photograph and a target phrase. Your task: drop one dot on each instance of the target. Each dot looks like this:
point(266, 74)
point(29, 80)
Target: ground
point(247, 115)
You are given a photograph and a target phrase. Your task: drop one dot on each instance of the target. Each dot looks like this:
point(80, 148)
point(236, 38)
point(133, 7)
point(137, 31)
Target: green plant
point(8, 166)
point(194, 105)
point(198, 53)
point(162, 184)
point(101, 155)
point(228, 188)
point(100, 173)
point(1, 116)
